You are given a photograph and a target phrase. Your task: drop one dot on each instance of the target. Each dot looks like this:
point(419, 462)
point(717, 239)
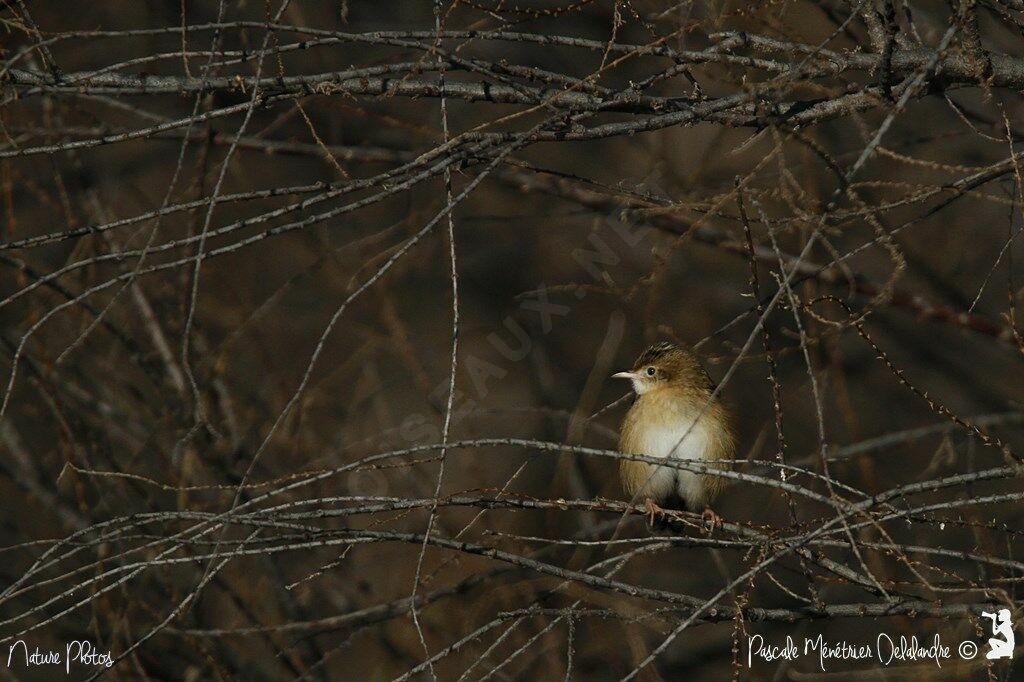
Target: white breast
point(684, 440)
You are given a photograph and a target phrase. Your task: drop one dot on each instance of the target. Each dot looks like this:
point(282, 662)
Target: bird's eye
point(650, 371)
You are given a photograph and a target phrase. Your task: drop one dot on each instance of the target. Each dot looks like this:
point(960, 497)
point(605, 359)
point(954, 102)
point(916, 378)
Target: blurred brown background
point(576, 250)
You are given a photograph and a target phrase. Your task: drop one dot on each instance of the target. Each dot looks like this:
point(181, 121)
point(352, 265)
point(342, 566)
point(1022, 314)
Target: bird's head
point(664, 365)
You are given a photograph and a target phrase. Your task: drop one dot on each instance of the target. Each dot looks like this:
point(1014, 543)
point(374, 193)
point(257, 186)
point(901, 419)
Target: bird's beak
point(624, 375)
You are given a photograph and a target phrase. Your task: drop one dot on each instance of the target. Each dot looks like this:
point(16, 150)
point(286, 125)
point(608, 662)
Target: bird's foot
point(710, 520)
point(653, 510)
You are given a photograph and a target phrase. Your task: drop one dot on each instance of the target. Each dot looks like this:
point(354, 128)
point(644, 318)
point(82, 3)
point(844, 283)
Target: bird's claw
point(710, 520)
point(653, 510)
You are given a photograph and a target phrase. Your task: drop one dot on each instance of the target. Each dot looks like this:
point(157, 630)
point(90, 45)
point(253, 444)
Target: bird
point(675, 414)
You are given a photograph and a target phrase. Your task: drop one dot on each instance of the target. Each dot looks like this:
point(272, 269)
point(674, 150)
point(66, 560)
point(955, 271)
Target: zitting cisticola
point(672, 417)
